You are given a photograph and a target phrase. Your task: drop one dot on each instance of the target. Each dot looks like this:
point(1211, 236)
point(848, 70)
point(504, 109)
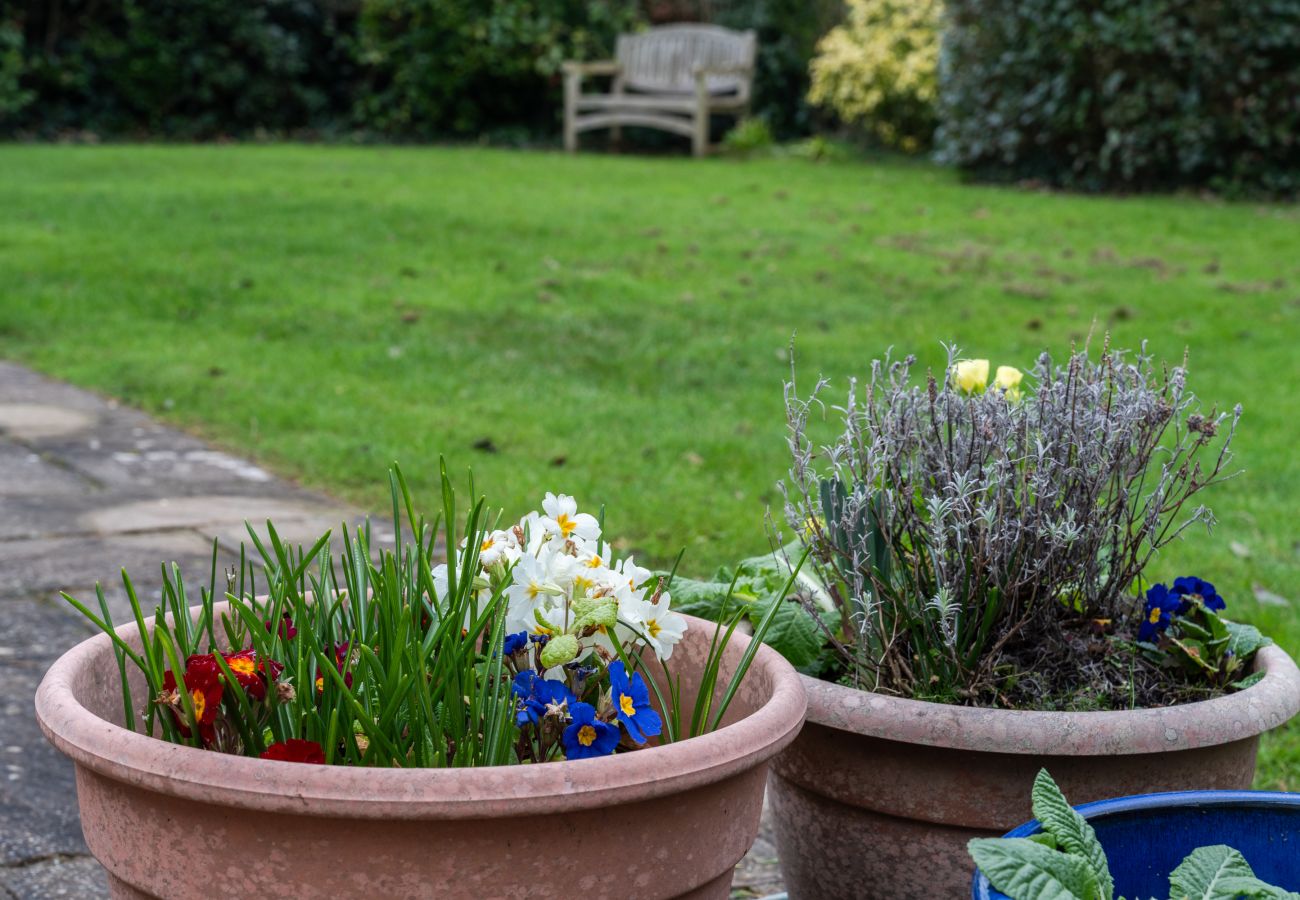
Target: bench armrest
point(597, 67)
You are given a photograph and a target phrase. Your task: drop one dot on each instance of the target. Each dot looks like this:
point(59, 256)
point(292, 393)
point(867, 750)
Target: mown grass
point(618, 328)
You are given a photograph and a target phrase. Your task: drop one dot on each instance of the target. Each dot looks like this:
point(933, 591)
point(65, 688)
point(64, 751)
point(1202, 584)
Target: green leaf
point(794, 633)
point(1025, 870)
point(1250, 680)
point(1072, 832)
point(699, 598)
point(1253, 888)
point(1203, 874)
point(1244, 639)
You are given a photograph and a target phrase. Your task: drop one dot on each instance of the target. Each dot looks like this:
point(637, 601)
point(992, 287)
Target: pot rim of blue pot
point(982, 890)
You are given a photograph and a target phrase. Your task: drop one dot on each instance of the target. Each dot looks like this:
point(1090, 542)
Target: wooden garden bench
point(672, 78)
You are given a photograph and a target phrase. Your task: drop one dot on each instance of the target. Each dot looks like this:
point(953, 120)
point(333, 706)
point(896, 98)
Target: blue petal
point(648, 722)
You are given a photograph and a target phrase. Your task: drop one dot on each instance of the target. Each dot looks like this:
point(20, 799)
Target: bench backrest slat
point(664, 59)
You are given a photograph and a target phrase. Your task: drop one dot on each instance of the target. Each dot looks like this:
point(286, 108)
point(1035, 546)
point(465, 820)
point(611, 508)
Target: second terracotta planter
point(177, 822)
point(878, 795)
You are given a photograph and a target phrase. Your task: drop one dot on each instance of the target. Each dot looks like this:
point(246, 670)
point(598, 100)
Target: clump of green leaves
point(382, 658)
point(1207, 648)
point(1065, 861)
point(774, 585)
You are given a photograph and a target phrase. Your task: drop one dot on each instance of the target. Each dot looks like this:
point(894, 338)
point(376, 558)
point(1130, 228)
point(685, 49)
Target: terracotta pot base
point(174, 822)
point(884, 792)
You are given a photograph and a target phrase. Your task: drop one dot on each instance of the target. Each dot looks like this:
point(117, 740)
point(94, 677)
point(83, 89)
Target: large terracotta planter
point(878, 795)
point(176, 822)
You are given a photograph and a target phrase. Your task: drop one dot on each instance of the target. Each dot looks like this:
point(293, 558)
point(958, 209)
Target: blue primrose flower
point(586, 735)
point(1189, 587)
point(1161, 606)
point(537, 696)
point(632, 701)
point(515, 642)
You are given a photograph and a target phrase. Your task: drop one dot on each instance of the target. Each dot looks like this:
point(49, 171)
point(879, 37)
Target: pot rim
point(1204, 723)
point(469, 793)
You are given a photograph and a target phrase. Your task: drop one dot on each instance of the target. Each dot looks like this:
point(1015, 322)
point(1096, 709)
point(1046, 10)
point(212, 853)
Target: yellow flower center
point(566, 524)
point(1155, 616)
point(486, 545)
point(320, 684)
point(586, 735)
point(200, 703)
point(625, 704)
point(533, 590)
point(594, 562)
point(582, 583)
point(242, 665)
point(653, 627)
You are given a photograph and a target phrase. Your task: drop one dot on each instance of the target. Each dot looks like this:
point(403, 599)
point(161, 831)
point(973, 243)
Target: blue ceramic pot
point(1148, 835)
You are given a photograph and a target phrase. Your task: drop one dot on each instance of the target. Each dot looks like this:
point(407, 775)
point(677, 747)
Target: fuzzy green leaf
point(1249, 681)
point(1026, 870)
point(1072, 832)
point(794, 633)
point(1244, 639)
point(1202, 876)
point(1253, 889)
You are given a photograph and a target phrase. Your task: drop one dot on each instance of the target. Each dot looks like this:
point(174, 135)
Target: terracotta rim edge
point(487, 792)
point(1205, 723)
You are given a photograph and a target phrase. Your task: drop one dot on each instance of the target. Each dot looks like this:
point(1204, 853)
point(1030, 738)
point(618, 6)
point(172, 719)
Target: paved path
point(88, 487)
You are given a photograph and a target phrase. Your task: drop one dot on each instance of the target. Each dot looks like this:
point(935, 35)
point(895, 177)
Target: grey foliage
point(949, 524)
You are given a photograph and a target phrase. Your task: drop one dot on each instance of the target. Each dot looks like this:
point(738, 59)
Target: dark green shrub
point(13, 97)
point(1124, 94)
point(788, 31)
point(437, 67)
point(188, 68)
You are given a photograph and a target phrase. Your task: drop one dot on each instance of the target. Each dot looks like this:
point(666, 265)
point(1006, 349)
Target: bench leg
point(700, 136)
point(700, 139)
point(571, 86)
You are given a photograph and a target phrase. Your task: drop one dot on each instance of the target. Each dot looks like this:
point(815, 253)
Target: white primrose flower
point(657, 623)
point(498, 546)
point(564, 521)
point(636, 576)
point(530, 589)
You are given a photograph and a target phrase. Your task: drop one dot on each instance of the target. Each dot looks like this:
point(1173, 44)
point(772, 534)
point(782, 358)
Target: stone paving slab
point(88, 487)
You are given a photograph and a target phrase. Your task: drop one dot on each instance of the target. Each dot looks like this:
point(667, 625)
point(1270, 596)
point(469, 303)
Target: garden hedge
point(388, 68)
point(1124, 94)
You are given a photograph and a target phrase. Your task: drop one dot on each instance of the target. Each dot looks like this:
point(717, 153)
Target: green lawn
point(617, 328)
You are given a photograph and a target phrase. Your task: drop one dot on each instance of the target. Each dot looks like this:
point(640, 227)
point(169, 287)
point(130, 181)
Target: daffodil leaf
point(1072, 832)
point(1025, 870)
point(1207, 873)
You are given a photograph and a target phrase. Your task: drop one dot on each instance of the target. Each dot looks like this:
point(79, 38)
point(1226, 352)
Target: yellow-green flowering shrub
point(878, 70)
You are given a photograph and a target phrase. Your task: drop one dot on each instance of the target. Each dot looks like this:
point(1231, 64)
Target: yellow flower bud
point(971, 375)
point(1008, 381)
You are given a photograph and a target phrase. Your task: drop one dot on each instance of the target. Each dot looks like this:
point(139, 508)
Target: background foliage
point(1124, 94)
point(196, 69)
point(878, 70)
point(788, 31)
point(466, 67)
point(392, 68)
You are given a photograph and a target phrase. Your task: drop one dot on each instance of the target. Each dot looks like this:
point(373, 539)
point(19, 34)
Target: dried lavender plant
point(949, 525)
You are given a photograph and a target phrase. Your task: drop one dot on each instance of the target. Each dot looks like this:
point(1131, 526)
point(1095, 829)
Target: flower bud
point(1008, 381)
point(971, 375)
point(591, 612)
point(559, 650)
